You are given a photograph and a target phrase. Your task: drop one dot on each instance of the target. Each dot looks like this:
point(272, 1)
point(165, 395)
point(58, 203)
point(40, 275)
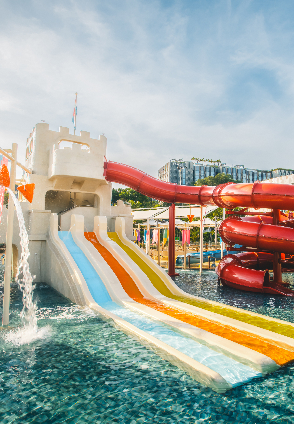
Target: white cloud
point(160, 82)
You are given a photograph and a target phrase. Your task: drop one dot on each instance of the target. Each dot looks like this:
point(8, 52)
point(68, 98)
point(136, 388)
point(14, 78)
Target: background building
point(188, 172)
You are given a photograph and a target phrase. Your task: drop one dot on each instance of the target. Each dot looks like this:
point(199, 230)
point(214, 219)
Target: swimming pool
point(87, 371)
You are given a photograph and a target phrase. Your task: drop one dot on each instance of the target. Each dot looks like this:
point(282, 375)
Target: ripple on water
point(206, 286)
point(26, 335)
point(87, 371)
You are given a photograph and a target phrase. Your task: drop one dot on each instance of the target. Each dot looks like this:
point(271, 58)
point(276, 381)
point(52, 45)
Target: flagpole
point(75, 114)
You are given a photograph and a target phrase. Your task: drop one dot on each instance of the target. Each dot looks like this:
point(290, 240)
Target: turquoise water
point(87, 371)
point(206, 286)
point(233, 372)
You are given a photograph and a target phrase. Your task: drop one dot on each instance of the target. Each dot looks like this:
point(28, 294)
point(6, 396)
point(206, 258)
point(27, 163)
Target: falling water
point(24, 278)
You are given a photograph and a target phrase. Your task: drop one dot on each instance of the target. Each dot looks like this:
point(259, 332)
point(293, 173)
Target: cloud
point(160, 79)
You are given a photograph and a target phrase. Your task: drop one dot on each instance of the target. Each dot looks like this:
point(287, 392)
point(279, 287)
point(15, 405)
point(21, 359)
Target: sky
point(160, 79)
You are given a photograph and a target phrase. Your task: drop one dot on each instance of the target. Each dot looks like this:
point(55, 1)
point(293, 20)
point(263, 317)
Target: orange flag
point(190, 217)
point(27, 191)
point(4, 176)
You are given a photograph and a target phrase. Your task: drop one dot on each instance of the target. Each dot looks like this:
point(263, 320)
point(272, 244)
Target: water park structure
point(82, 246)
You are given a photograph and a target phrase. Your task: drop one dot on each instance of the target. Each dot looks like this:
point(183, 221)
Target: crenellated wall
point(69, 161)
point(68, 179)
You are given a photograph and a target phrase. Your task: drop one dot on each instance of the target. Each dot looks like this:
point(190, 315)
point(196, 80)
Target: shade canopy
point(162, 212)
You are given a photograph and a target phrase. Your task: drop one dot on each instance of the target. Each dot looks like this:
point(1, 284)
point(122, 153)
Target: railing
point(59, 214)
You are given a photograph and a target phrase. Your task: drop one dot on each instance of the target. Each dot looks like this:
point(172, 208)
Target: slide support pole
point(171, 241)
point(158, 245)
point(277, 267)
point(222, 243)
point(148, 237)
point(185, 252)
point(201, 238)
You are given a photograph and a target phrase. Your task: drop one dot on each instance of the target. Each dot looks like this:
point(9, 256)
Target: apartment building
point(188, 172)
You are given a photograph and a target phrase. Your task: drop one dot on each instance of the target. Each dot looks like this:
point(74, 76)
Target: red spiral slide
point(269, 237)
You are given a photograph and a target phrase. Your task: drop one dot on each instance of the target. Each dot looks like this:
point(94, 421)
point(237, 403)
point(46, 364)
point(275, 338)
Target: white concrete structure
point(68, 174)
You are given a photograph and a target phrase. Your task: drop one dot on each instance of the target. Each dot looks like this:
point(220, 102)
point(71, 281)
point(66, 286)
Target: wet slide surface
point(273, 350)
point(276, 327)
point(280, 355)
point(232, 371)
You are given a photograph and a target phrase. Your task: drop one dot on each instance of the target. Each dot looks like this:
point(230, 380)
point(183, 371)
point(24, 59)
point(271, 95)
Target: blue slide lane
point(232, 371)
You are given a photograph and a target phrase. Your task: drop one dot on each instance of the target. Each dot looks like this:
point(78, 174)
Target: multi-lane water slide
point(215, 362)
point(221, 347)
point(268, 237)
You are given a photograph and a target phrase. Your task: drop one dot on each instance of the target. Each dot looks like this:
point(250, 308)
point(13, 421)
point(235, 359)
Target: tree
point(137, 200)
point(218, 161)
point(214, 181)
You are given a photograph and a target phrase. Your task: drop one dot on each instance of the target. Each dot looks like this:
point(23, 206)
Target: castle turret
point(67, 171)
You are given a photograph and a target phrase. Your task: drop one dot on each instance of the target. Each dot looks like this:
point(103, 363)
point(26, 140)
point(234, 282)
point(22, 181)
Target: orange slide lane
point(274, 350)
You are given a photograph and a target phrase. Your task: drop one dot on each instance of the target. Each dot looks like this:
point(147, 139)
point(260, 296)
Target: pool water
point(206, 286)
point(85, 370)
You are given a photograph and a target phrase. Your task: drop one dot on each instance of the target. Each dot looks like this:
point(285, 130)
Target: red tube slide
point(262, 237)
point(151, 187)
point(257, 195)
point(254, 232)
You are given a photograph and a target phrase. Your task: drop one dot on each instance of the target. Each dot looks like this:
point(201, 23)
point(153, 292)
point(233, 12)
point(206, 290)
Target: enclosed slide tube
point(247, 269)
point(271, 238)
point(102, 293)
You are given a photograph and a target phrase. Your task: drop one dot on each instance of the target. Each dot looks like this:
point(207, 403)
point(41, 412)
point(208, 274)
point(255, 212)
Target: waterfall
point(24, 277)
point(29, 331)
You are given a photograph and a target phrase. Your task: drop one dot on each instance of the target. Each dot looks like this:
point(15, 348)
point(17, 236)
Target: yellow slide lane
point(262, 345)
point(279, 328)
point(276, 327)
